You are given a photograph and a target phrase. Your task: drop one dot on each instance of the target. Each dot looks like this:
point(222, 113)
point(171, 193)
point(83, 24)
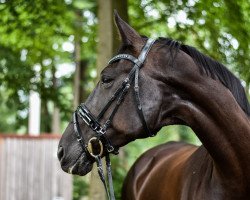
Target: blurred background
point(51, 55)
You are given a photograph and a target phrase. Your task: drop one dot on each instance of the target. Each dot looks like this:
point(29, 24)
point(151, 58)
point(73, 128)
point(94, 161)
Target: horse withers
point(155, 83)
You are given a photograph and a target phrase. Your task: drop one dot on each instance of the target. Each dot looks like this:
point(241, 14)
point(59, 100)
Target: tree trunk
point(83, 69)
point(108, 44)
point(45, 115)
point(107, 33)
point(77, 77)
point(34, 113)
point(248, 90)
point(56, 112)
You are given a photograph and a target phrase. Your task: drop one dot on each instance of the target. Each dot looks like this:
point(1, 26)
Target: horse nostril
point(60, 153)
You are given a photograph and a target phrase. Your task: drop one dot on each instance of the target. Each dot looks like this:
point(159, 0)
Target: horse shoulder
point(158, 169)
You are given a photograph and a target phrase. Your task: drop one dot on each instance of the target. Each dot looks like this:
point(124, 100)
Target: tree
point(29, 30)
point(107, 45)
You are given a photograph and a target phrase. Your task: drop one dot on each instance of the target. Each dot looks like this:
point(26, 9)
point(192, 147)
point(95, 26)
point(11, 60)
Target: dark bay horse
point(178, 85)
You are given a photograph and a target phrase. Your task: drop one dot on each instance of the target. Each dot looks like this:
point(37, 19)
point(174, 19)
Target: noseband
point(100, 138)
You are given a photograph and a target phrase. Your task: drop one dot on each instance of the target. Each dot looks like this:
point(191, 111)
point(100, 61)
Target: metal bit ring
point(90, 147)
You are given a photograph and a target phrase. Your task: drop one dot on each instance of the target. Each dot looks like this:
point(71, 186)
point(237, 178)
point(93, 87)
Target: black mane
point(212, 68)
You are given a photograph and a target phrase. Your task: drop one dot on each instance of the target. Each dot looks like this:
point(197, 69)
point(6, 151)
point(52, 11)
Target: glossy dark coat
point(175, 88)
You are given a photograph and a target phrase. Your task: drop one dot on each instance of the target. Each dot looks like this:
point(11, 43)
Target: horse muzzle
point(72, 164)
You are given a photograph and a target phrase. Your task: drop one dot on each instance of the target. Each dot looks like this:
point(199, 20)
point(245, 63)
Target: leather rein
point(100, 138)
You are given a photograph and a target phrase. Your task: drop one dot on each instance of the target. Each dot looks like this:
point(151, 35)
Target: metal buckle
point(110, 148)
point(101, 131)
point(90, 147)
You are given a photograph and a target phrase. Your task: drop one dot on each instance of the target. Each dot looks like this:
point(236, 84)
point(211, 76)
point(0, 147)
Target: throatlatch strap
point(139, 106)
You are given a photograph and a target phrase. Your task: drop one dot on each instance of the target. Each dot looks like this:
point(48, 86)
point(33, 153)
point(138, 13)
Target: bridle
point(100, 139)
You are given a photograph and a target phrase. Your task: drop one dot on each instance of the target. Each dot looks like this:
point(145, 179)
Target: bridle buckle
point(110, 149)
point(101, 131)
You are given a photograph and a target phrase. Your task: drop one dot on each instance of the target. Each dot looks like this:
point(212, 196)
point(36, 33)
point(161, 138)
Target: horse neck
point(212, 112)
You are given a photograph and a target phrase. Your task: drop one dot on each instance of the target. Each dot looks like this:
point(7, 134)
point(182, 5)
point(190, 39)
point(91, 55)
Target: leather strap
point(108, 187)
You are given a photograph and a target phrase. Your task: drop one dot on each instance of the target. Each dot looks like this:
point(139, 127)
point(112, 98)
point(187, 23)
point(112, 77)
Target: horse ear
point(128, 35)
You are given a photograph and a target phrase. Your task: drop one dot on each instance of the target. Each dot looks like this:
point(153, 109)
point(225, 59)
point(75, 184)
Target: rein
point(100, 139)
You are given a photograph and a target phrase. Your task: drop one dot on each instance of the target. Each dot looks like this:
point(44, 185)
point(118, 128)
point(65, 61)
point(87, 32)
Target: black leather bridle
point(100, 139)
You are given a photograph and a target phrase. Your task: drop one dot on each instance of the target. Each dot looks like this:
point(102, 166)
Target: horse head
point(131, 86)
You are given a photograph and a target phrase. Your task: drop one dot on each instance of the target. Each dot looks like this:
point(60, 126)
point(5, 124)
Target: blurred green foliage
point(80, 188)
point(34, 36)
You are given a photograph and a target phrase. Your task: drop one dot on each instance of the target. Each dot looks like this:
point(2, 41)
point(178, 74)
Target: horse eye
point(106, 80)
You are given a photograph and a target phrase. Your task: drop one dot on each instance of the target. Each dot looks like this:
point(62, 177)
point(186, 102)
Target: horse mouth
point(81, 167)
